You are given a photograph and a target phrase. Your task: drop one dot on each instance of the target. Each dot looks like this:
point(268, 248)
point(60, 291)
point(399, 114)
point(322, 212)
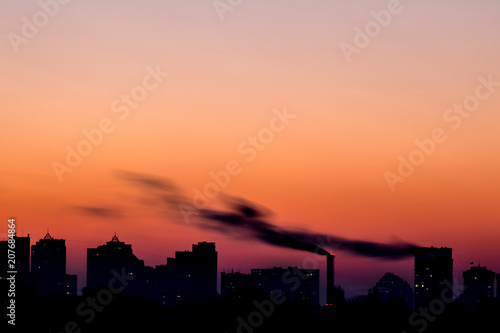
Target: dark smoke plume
point(245, 219)
point(98, 211)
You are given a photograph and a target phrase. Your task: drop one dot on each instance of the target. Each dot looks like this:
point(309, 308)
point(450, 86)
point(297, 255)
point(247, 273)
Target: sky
point(370, 120)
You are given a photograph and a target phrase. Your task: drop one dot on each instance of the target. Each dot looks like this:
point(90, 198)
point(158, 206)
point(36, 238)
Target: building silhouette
point(392, 286)
point(191, 276)
point(330, 279)
point(22, 254)
point(478, 282)
point(48, 263)
point(433, 274)
point(298, 285)
point(111, 259)
point(498, 286)
point(25, 280)
point(236, 283)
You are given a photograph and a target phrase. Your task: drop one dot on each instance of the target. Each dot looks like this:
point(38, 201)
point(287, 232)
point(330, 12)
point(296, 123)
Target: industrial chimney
point(330, 289)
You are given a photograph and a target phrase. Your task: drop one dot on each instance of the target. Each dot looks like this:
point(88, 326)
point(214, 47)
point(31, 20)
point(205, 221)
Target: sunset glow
point(167, 89)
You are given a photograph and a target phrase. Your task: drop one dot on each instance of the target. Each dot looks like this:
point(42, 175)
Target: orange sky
point(324, 171)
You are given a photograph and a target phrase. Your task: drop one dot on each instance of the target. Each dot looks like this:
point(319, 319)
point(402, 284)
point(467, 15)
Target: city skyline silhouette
point(48, 258)
point(189, 280)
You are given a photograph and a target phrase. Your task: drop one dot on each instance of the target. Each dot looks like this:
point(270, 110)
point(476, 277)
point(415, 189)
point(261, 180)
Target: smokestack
point(330, 288)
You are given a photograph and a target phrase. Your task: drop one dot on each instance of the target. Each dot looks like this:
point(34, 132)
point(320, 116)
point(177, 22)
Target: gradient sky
point(324, 172)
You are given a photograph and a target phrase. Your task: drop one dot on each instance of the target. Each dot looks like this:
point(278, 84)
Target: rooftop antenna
point(114, 239)
point(47, 236)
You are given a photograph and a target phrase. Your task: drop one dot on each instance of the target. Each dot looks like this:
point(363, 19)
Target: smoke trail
point(245, 219)
point(248, 219)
